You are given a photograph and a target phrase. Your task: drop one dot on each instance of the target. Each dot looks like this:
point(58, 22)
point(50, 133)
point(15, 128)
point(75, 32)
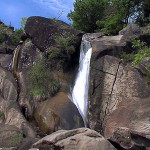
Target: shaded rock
point(42, 31)
point(131, 29)
point(8, 85)
point(129, 139)
point(82, 138)
point(57, 113)
point(27, 143)
point(143, 64)
point(5, 60)
point(10, 136)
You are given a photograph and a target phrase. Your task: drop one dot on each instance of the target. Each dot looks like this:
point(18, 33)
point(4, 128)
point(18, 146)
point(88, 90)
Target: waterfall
point(80, 89)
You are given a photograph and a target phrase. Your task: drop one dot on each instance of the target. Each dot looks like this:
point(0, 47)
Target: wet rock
point(82, 138)
point(57, 113)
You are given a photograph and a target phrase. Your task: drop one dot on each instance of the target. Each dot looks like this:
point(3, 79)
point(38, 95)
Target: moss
point(10, 139)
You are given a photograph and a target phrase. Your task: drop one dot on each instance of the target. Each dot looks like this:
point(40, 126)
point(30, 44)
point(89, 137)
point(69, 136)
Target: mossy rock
point(10, 136)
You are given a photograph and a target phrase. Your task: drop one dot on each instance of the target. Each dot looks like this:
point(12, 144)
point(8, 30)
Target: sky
point(11, 11)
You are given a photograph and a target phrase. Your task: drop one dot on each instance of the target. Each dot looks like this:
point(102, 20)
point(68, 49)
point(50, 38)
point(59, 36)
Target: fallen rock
point(82, 138)
point(57, 113)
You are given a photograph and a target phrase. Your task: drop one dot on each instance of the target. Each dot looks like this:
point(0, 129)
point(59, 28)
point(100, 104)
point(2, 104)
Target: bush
point(4, 32)
point(141, 50)
point(41, 80)
point(59, 55)
point(16, 36)
point(7, 34)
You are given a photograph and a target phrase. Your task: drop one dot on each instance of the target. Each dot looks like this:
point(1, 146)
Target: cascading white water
point(80, 90)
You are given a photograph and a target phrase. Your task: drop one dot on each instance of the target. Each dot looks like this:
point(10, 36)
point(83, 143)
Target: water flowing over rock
point(80, 89)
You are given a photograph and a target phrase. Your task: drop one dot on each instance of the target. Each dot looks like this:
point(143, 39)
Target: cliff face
point(118, 94)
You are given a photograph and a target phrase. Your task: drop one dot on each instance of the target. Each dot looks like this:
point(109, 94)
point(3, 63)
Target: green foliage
point(41, 80)
point(108, 16)
point(23, 22)
point(16, 36)
point(1, 114)
point(7, 34)
point(4, 32)
point(86, 13)
point(60, 54)
point(142, 50)
point(127, 57)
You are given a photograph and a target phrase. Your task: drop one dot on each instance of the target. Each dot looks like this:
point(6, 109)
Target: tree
point(86, 13)
point(23, 22)
point(108, 16)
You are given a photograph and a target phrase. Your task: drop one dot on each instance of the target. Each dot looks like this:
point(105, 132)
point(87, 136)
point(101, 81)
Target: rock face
point(8, 103)
point(43, 31)
point(57, 113)
point(119, 96)
point(82, 138)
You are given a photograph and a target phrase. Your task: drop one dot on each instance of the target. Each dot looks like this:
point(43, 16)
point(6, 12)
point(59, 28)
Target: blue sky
point(13, 10)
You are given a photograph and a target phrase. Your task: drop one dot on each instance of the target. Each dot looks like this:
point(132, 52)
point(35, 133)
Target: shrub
point(60, 54)
point(4, 32)
point(16, 36)
point(41, 80)
point(142, 50)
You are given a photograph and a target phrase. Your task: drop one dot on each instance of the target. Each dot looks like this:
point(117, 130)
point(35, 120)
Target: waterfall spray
point(80, 90)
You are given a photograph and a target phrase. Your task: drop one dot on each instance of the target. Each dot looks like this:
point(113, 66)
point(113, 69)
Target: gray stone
point(82, 138)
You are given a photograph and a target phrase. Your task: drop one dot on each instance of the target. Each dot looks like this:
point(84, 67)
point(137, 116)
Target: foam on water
point(80, 90)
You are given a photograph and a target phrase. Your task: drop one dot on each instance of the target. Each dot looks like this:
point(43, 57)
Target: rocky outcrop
point(43, 31)
point(119, 95)
point(9, 105)
point(82, 138)
point(57, 113)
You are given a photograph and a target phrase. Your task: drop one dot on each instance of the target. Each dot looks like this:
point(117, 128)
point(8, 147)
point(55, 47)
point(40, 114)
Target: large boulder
point(44, 30)
point(57, 113)
point(107, 45)
point(119, 96)
point(82, 138)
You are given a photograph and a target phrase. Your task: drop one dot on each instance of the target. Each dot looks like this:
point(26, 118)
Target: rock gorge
point(118, 98)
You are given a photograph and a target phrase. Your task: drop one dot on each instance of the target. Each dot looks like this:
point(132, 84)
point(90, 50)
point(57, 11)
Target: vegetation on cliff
point(8, 35)
point(41, 79)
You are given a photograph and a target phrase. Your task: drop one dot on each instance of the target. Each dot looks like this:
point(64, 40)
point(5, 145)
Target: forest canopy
point(108, 16)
